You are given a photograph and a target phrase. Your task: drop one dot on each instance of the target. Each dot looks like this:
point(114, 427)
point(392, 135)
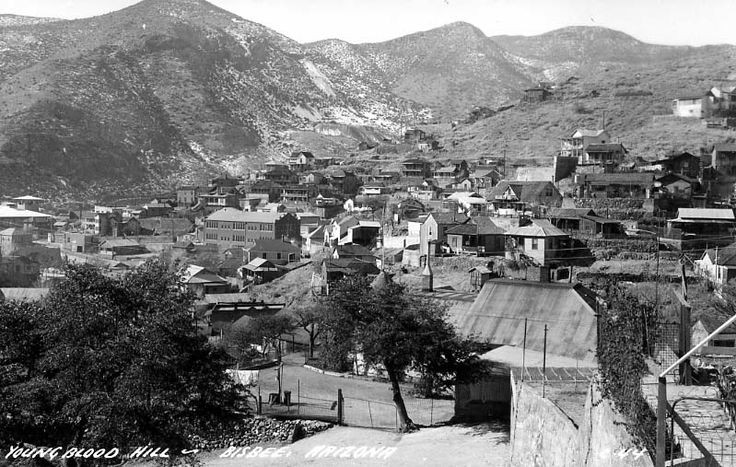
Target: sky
point(671, 22)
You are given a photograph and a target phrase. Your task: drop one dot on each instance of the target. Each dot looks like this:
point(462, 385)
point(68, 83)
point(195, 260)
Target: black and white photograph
point(367, 232)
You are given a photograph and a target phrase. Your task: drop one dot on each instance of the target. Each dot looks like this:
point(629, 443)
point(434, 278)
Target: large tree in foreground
point(113, 362)
point(398, 331)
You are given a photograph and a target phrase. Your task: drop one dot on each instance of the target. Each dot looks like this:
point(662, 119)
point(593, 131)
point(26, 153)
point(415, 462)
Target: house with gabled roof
point(501, 309)
point(540, 240)
point(614, 185)
point(574, 145)
point(718, 265)
point(479, 236)
point(515, 196)
point(276, 250)
point(434, 230)
point(260, 270)
point(201, 281)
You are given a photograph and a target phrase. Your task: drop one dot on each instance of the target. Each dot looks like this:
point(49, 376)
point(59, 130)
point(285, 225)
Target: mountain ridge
point(146, 96)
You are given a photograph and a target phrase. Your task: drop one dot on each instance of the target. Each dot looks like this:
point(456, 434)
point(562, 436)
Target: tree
point(114, 362)
point(398, 331)
point(306, 317)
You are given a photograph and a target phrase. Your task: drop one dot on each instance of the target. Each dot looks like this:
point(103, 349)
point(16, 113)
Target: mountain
point(139, 97)
point(170, 91)
point(575, 50)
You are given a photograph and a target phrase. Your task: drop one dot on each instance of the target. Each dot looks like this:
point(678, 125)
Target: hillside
point(631, 99)
point(169, 91)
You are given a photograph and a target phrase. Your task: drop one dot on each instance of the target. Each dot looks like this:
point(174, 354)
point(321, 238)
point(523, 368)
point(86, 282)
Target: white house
point(717, 265)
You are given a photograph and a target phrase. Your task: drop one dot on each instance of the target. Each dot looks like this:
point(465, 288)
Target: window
point(263, 255)
point(724, 342)
point(278, 255)
point(535, 243)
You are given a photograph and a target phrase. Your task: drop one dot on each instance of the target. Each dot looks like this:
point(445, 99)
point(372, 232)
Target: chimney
point(427, 275)
point(538, 273)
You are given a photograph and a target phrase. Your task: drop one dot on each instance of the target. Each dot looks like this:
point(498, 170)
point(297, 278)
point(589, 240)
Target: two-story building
point(301, 161)
point(575, 144)
point(231, 227)
point(416, 168)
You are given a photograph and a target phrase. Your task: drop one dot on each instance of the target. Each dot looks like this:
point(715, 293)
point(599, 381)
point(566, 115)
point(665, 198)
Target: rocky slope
point(167, 91)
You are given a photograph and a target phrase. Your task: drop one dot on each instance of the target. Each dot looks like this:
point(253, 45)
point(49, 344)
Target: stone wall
point(543, 435)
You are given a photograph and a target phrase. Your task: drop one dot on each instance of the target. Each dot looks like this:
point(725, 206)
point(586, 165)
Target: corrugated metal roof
point(705, 213)
point(236, 215)
point(497, 317)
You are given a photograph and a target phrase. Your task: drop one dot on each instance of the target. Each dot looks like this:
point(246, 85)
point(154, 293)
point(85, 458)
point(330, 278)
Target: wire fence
point(384, 415)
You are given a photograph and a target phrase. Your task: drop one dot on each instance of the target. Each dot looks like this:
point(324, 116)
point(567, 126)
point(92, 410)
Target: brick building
point(232, 227)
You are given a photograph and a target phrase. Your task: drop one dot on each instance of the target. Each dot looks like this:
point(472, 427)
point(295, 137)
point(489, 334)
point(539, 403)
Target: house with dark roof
point(122, 247)
point(335, 269)
point(590, 224)
point(519, 196)
point(568, 219)
point(357, 252)
point(479, 236)
point(222, 316)
point(723, 159)
point(718, 265)
point(416, 168)
point(603, 154)
point(677, 185)
point(501, 309)
point(614, 185)
point(301, 160)
point(682, 163)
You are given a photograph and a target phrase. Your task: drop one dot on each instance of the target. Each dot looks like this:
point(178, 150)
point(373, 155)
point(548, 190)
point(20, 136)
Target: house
point(568, 219)
point(461, 184)
point(485, 179)
point(434, 230)
point(212, 202)
point(575, 144)
point(590, 224)
point(506, 310)
point(416, 168)
point(14, 238)
point(276, 251)
point(231, 227)
point(677, 185)
point(479, 236)
point(410, 208)
point(122, 247)
point(700, 227)
point(78, 242)
point(260, 270)
point(718, 265)
point(19, 271)
point(683, 163)
point(336, 269)
point(201, 281)
point(614, 185)
point(186, 196)
point(282, 176)
point(602, 154)
point(300, 193)
point(414, 135)
point(541, 241)
point(695, 106)
point(723, 159)
point(722, 344)
point(468, 202)
point(269, 188)
point(352, 230)
point(223, 315)
point(30, 203)
point(510, 197)
point(314, 178)
point(538, 94)
point(124, 228)
point(444, 175)
point(357, 252)
point(10, 216)
point(301, 161)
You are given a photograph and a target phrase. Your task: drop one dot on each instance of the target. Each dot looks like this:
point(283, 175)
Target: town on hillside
point(311, 289)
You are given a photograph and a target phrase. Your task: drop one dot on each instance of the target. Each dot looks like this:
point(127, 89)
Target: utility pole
point(544, 364)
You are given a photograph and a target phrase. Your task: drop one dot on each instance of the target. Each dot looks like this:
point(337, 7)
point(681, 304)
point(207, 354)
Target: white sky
point(675, 22)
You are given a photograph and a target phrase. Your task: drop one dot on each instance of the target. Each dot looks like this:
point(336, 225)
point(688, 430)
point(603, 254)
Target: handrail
point(695, 348)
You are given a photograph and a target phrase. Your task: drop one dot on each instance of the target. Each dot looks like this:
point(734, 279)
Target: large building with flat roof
point(231, 227)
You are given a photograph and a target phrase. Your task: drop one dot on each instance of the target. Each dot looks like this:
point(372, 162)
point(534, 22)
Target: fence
point(384, 415)
point(302, 404)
